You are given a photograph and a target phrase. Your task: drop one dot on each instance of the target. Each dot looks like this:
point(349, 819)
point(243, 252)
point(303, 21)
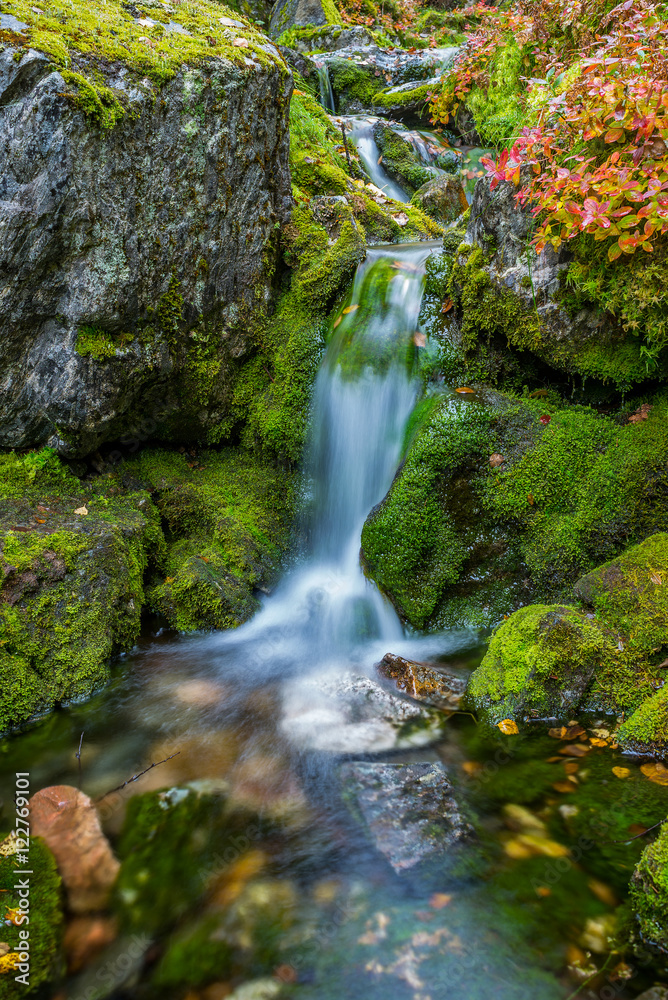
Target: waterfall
point(361, 133)
point(325, 612)
point(326, 92)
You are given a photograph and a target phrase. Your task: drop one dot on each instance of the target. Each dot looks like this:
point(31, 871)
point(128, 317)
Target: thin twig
point(345, 146)
point(78, 754)
point(637, 836)
point(135, 777)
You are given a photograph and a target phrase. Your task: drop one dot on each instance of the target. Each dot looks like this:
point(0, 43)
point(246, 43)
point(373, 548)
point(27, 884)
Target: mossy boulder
point(72, 568)
point(607, 653)
point(288, 14)
point(442, 198)
point(229, 519)
point(151, 307)
point(649, 895)
point(400, 160)
point(354, 86)
point(406, 101)
point(504, 292)
point(41, 924)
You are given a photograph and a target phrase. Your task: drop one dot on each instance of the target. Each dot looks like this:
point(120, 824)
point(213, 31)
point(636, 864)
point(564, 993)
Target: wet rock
point(334, 38)
point(424, 681)
point(409, 810)
point(399, 158)
point(67, 821)
point(351, 713)
point(85, 938)
point(442, 198)
point(101, 333)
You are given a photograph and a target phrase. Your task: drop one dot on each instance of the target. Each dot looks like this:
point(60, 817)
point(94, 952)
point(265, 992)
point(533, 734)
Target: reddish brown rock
point(423, 681)
point(66, 819)
point(85, 938)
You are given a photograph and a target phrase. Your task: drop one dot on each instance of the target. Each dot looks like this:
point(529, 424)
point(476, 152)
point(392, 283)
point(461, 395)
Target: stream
point(522, 910)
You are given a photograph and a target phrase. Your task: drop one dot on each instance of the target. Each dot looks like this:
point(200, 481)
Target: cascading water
point(325, 613)
point(325, 85)
point(361, 133)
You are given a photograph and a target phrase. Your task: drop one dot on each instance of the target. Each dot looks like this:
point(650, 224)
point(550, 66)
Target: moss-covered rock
point(228, 517)
point(71, 579)
point(399, 159)
point(354, 86)
point(605, 654)
point(37, 931)
point(287, 14)
point(442, 197)
point(649, 894)
point(153, 306)
point(406, 99)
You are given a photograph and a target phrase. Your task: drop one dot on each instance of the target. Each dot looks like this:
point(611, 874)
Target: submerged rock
point(424, 681)
point(137, 212)
point(649, 895)
point(67, 821)
point(607, 654)
point(409, 810)
point(442, 198)
point(399, 159)
point(350, 714)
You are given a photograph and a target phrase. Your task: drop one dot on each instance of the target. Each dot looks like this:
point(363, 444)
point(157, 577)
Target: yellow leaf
point(15, 916)
point(597, 742)
point(439, 900)
point(656, 772)
point(81, 510)
point(472, 768)
point(350, 309)
point(508, 727)
point(9, 846)
point(621, 772)
point(10, 962)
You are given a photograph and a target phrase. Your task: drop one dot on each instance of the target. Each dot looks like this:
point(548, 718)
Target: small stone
point(83, 511)
point(423, 681)
point(67, 821)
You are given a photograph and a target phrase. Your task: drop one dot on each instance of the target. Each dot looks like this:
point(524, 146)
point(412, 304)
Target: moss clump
point(229, 519)
point(71, 583)
point(602, 655)
point(649, 894)
point(646, 732)
point(497, 109)
point(43, 921)
point(95, 343)
point(399, 158)
point(354, 86)
point(95, 100)
point(416, 98)
point(539, 664)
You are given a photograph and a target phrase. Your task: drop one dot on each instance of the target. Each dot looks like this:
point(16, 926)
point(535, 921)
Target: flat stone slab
point(352, 714)
point(424, 681)
point(409, 810)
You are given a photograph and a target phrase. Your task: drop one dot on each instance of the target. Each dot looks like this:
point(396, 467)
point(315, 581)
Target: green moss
point(94, 99)
point(497, 109)
point(539, 664)
point(649, 894)
point(399, 158)
point(646, 731)
point(229, 519)
point(95, 343)
point(404, 98)
point(44, 920)
point(354, 86)
point(77, 35)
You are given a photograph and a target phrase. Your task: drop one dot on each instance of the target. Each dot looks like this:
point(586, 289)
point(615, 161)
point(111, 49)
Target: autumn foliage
point(596, 148)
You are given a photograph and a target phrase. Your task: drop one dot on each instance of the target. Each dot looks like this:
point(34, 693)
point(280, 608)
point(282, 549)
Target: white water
point(326, 92)
point(325, 614)
point(361, 133)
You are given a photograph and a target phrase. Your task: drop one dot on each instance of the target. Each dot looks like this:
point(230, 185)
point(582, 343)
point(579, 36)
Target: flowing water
point(325, 85)
point(360, 130)
point(526, 903)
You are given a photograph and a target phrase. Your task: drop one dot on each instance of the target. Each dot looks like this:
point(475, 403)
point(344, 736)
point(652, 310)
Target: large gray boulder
point(132, 257)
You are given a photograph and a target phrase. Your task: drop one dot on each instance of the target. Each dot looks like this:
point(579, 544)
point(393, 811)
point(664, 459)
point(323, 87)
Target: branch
point(135, 777)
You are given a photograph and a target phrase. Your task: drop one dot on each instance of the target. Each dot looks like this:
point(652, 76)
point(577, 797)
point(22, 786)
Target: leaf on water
point(621, 772)
point(508, 727)
point(336, 322)
point(574, 730)
point(558, 734)
point(439, 900)
point(349, 309)
point(596, 741)
point(657, 773)
point(496, 460)
point(575, 750)
point(464, 388)
point(472, 767)
point(419, 339)
point(81, 510)
point(571, 766)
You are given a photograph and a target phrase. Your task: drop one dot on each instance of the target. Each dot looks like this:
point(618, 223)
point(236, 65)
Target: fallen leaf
point(496, 460)
point(542, 393)
point(545, 418)
point(14, 916)
point(531, 499)
point(472, 767)
point(40, 520)
point(81, 510)
point(350, 309)
point(563, 787)
point(574, 730)
point(558, 734)
point(464, 388)
point(655, 578)
point(571, 766)
point(657, 773)
point(508, 727)
point(419, 339)
point(241, 43)
point(621, 772)
point(603, 892)
point(604, 733)
point(439, 900)
point(10, 962)
point(597, 742)
point(542, 890)
point(637, 829)
point(447, 305)
point(642, 413)
point(336, 322)
point(575, 750)
point(401, 219)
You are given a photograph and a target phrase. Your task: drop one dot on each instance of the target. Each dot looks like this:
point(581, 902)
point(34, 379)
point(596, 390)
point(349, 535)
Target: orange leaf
point(464, 389)
point(508, 727)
